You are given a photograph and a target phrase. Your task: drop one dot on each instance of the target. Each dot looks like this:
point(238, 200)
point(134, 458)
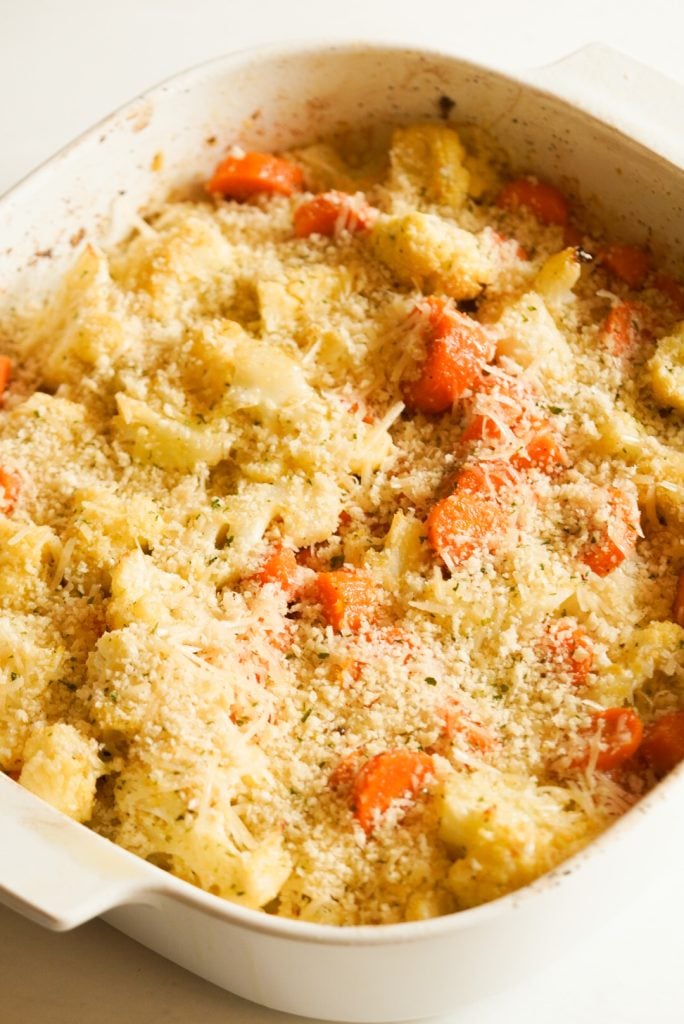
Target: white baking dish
point(610, 132)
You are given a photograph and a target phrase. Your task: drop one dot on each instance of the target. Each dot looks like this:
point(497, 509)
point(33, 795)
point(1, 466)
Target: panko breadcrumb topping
point(340, 532)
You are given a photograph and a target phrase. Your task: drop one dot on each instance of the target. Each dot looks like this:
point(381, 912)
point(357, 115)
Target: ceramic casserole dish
point(607, 131)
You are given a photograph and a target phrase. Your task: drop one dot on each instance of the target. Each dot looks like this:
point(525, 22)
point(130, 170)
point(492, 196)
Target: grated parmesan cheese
point(214, 391)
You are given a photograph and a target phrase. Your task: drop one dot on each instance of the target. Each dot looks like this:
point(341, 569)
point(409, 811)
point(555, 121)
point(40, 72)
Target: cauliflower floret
point(427, 162)
point(180, 263)
point(402, 552)
point(431, 253)
point(291, 306)
point(558, 276)
point(658, 647)
point(661, 467)
point(87, 321)
point(504, 832)
point(266, 378)
point(666, 368)
point(31, 658)
point(168, 441)
point(62, 767)
point(528, 333)
point(141, 592)
point(205, 838)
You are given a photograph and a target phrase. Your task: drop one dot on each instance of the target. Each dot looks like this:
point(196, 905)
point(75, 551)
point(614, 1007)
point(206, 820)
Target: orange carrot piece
point(457, 349)
point(348, 597)
point(543, 452)
point(546, 202)
point(567, 647)
point(628, 262)
point(462, 524)
point(392, 775)
point(509, 398)
point(674, 290)
point(458, 722)
point(331, 212)
point(5, 373)
point(615, 540)
point(346, 770)
point(10, 488)
point(472, 519)
point(623, 328)
point(572, 236)
point(239, 177)
point(280, 567)
point(620, 731)
point(488, 478)
point(678, 603)
point(663, 744)
point(514, 405)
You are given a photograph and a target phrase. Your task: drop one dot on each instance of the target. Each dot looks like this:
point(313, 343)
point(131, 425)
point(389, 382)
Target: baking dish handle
point(58, 873)
point(619, 90)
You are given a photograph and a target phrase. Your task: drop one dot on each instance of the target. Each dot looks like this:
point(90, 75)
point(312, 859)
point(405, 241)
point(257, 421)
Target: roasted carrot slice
point(543, 452)
point(508, 406)
point(348, 597)
point(5, 373)
point(572, 236)
point(567, 649)
point(628, 262)
point(239, 177)
point(464, 523)
point(674, 290)
point(488, 478)
point(663, 744)
point(615, 540)
point(388, 777)
point(623, 328)
point(618, 732)
point(473, 518)
point(457, 349)
point(546, 202)
point(346, 770)
point(10, 488)
point(457, 722)
point(333, 212)
point(280, 567)
point(499, 401)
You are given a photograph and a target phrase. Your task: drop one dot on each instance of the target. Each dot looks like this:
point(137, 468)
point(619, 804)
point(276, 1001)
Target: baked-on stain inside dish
point(340, 548)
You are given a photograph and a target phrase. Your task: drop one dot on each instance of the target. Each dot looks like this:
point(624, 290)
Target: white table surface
point(63, 65)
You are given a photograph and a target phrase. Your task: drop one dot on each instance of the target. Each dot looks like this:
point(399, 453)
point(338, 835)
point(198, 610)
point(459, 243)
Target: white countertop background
point(64, 64)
